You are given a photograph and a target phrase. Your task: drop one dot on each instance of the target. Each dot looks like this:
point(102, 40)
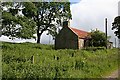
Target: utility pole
point(115, 42)
point(106, 30)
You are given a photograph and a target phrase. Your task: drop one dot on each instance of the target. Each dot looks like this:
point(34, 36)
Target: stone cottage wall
point(80, 43)
point(66, 39)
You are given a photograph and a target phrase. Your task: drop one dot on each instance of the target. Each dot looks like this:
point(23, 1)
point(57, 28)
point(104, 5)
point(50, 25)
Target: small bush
point(94, 48)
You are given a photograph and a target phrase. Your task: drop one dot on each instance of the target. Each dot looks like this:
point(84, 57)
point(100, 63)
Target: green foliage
point(50, 63)
point(15, 25)
point(95, 48)
point(36, 17)
point(98, 39)
point(116, 25)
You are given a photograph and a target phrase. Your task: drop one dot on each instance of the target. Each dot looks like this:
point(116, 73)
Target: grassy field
point(30, 60)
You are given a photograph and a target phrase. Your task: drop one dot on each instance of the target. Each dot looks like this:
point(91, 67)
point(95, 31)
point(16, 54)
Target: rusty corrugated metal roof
point(80, 33)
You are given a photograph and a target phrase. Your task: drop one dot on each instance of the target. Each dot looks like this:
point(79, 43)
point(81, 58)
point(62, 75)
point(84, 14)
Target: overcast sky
point(91, 14)
point(86, 15)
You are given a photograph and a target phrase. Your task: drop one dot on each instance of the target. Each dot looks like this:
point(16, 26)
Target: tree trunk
point(38, 38)
point(38, 35)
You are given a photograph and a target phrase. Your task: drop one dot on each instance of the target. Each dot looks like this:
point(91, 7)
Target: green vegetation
point(36, 18)
point(29, 60)
point(98, 38)
point(116, 26)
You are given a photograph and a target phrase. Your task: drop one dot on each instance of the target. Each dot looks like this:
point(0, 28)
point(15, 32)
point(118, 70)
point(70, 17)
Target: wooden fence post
point(32, 59)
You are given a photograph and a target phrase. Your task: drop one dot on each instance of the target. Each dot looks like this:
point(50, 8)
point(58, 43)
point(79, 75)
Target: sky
point(86, 15)
point(91, 14)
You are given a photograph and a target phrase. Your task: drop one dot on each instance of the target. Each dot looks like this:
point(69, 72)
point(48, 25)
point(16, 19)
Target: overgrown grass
point(17, 62)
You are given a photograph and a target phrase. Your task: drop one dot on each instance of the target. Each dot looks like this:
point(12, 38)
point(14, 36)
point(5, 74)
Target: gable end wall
point(66, 39)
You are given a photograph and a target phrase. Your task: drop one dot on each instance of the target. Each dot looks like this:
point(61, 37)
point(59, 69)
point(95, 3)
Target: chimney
point(66, 23)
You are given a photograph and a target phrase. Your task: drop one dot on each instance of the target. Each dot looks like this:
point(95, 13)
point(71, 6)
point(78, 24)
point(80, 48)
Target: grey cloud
point(91, 14)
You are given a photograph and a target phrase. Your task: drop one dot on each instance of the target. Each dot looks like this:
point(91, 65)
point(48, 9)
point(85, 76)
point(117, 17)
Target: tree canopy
point(15, 25)
point(116, 26)
point(23, 19)
point(98, 39)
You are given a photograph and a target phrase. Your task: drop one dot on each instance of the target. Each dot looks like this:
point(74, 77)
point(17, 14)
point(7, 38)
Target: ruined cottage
point(71, 38)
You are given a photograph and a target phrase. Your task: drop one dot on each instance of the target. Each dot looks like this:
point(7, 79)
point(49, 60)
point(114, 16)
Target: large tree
point(98, 39)
point(15, 25)
point(116, 26)
point(36, 17)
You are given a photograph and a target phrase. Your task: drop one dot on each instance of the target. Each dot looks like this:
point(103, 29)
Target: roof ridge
point(78, 29)
point(79, 33)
